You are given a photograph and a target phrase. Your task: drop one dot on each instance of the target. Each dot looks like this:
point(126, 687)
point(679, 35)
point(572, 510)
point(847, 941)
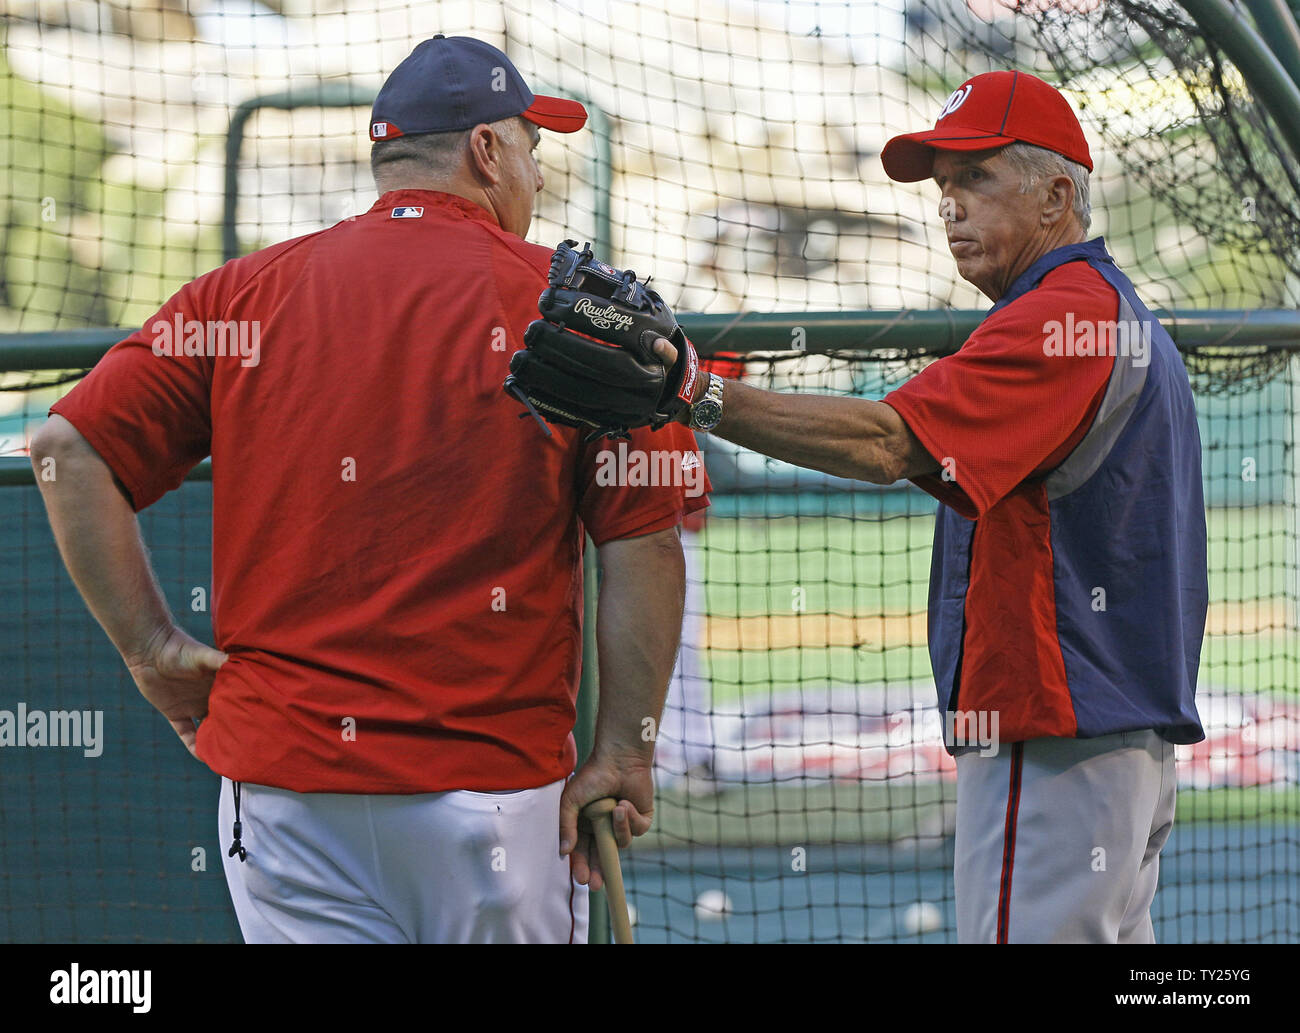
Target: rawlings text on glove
point(588, 361)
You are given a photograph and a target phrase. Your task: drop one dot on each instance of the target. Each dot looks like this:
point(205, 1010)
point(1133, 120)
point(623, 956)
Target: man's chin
point(968, 265)
point(974, 270)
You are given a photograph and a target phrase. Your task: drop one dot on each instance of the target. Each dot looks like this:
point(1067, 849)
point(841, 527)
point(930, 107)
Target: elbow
point(654, 558)
point(880, 464)
point(56, 440)
point(886, 476)
point(49, 441)
point(661, 550)
point(55, 443)
point(896, 455)
point(896, 469)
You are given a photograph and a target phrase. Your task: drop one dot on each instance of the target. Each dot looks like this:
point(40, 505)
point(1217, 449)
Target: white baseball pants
point(1059, 840)
point(453, 867)
point(685, 737)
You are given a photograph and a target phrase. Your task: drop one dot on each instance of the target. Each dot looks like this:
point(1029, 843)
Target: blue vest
point(1127, 526)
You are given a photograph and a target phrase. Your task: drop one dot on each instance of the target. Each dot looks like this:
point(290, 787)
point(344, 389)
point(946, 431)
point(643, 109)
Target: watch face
point(707, 414)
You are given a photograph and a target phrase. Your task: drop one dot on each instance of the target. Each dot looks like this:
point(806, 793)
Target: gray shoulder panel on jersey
point(1127, 379)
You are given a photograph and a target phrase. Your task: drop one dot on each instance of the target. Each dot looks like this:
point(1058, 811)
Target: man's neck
point(470, 191)
point(1063, 238)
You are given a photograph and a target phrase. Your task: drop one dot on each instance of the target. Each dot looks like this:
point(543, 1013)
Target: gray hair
point(1038, 163)
point(431, 155)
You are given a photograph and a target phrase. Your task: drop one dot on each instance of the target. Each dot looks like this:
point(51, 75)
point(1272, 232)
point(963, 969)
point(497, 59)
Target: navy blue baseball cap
point(450, 83)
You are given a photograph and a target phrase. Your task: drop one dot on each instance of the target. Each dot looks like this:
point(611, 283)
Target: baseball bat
point(599, 815)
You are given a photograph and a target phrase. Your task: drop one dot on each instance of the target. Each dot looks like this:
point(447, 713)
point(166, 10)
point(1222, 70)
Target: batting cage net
point(803, 789)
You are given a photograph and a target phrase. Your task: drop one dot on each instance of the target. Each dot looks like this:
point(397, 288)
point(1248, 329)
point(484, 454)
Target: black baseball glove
point(588, 361)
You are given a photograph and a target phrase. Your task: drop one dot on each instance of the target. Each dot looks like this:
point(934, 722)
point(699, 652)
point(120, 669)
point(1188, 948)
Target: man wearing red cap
point(397, 559)
point(1068, 586)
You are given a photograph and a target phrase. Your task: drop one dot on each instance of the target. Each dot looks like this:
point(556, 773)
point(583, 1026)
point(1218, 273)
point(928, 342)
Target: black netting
point(803, 791)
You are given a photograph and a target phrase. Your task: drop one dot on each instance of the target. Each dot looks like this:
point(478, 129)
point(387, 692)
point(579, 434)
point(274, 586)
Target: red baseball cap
point(991, 110)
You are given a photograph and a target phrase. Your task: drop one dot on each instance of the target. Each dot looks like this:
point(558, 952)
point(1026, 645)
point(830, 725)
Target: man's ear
point(485, 154)
point(1058, 201)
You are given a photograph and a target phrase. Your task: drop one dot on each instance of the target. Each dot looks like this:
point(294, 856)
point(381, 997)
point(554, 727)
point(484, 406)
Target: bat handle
point(599, 814)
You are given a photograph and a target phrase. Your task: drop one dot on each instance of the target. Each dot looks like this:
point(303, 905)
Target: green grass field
point(900, 813)
point(851, 572)
point(759, 572)
point(826, 812)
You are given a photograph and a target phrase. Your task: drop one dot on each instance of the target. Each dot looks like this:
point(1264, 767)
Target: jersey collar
point(451, 203)
point(1094, 249)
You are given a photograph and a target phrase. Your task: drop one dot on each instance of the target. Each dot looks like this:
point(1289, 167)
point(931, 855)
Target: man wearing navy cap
point(1068, 584)
point(397, 560)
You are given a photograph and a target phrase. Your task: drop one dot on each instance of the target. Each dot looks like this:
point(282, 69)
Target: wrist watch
point(707, 412)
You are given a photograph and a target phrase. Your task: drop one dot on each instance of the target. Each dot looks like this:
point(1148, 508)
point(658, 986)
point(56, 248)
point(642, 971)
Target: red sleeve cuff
point(105, 447)
point(950, 493)
point(637, 525)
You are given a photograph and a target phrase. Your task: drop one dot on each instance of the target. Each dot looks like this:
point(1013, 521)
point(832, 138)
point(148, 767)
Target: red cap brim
point(910, 158)
point(557, 114)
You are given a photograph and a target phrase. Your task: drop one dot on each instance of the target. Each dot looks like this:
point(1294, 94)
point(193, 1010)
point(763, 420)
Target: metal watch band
point(707, 412)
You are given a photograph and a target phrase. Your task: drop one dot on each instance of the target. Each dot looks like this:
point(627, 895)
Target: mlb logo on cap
point(379, 130)
point(408, 213)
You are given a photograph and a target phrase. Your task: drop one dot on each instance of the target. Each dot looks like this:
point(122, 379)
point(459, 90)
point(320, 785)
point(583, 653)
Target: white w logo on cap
point(955, 100)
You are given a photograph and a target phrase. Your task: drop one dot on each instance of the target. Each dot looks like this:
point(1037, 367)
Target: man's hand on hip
point(98, 535)
point(175, 674)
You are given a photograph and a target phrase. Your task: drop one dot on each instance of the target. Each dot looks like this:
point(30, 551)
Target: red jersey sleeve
point(1006, 407)
point(146, 406)
point(636, 487)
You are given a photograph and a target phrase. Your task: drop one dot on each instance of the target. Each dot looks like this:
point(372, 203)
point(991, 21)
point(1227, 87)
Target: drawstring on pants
point(237, 847)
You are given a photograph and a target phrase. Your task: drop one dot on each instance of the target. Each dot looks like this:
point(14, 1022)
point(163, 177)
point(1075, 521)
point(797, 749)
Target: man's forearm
point(846, 437)
point(638, 630)
point(99, 538)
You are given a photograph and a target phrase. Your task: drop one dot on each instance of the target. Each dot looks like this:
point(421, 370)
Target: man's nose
point(948, 210)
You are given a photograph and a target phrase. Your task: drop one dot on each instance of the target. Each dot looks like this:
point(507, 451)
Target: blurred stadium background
point(734, 156)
